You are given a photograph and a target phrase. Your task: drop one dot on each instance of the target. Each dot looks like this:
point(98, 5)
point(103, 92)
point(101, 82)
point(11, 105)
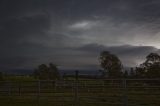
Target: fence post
point(76, 89)
point(9, 88)
point(9, 93)
point(39, 91)
point(55, 86)
point(103, 86)
point(19, 89)
point(125, 98)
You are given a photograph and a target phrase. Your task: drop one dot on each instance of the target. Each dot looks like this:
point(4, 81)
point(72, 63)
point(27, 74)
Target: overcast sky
point(72, 33)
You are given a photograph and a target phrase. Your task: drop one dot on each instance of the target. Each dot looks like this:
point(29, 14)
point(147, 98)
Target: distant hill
point(18, 71)
point(62, 72)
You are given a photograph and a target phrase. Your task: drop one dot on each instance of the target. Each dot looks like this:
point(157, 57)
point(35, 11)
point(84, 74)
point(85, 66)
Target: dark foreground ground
point(111, 92)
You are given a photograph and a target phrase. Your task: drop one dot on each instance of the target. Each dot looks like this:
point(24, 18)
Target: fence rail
point(108, 92)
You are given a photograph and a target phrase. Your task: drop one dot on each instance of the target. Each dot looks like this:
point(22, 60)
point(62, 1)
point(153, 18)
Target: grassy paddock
point(112, 92)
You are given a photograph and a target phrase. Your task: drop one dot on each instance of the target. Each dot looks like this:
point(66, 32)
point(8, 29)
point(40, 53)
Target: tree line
point(111, 68)
point(45, 72)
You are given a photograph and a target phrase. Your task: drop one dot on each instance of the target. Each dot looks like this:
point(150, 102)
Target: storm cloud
point(72, 33)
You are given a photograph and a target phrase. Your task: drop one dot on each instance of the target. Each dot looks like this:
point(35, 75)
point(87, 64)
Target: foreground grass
point(86, 93)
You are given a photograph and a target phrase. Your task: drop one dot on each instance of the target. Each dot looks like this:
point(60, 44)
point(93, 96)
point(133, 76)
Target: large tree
point(150, 68)
point(140, 72)
point(151, 59)
point(45, 72)
point(111, 64)
point(53, 71)
point(152, 65)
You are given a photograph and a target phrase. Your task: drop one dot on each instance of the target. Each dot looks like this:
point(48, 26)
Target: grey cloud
point(35, 32)
point(108, 32)
point(130, 55)
point(85, 57)
point(18, 35)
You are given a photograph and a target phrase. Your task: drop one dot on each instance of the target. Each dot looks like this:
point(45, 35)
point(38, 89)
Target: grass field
point(112, 92)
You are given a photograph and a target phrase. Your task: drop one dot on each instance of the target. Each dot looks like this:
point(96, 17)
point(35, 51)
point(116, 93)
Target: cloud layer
point(72, 33)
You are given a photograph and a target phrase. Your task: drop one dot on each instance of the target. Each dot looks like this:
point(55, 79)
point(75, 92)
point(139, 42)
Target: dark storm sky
point(71, 33)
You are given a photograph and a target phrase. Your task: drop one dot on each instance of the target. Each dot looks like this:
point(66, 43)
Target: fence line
point(118, 92)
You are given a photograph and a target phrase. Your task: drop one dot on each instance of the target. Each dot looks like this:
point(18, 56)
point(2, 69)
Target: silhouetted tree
point(44, 72)
point(125, 74)
point(132, 73)
point(153, 71)
point(140, 72)
point(111, 64)
point(53, 72)
point(151, 59)
point(150, 68)
point(152, 65)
